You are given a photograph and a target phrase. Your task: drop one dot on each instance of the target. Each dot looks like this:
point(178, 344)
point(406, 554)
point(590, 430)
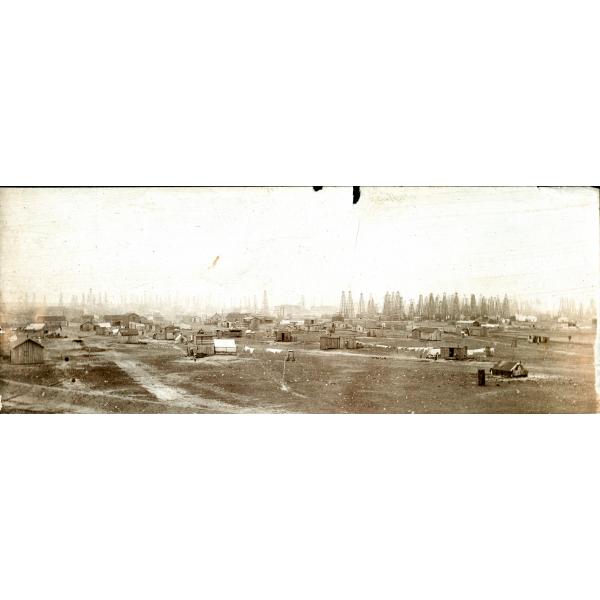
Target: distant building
point(38, 330)
point(27, 352)
point(285, 336)
point(329, 342)
point(129, 336)
point(525, 319)
point(114, 320)
point(103, 328)
point(426, 333)
point(453, 352)
point(538, 339)
point(468, 324)
point(52, 321)
point(87, 326)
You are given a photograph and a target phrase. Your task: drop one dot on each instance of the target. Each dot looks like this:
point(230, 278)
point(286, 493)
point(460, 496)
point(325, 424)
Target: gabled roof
point(35, 327)
point(27, 341)
point(425, 329)
point(506, 365)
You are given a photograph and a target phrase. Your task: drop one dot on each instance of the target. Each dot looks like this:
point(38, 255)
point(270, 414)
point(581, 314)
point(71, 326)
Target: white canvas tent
point(225, 346)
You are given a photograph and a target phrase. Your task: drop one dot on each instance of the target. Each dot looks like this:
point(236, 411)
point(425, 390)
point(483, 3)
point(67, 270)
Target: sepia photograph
point(299, 300)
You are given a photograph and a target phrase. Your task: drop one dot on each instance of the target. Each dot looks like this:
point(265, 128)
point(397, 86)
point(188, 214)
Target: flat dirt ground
point(103, 375)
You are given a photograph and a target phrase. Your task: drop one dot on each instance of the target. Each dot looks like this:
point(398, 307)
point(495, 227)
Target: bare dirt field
point(104, 375)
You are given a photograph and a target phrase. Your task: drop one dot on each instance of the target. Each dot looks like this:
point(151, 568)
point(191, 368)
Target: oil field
point(229, 300)
point(85, 372)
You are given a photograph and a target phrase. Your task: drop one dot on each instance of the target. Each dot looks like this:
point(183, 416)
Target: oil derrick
point(371, 307)
point(397, 305)
point(265, 304)
point(387, 304)
point(361, 306)
point(343, 308)
point(350, 314)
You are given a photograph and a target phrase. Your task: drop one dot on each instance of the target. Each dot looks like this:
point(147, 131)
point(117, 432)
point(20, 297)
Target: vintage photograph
point(299, 300)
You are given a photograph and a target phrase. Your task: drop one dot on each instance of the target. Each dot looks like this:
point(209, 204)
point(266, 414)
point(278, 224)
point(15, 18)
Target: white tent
point(224, 346)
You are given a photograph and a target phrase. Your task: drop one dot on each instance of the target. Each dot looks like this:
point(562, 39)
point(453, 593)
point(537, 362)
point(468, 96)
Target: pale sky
point(294, 241)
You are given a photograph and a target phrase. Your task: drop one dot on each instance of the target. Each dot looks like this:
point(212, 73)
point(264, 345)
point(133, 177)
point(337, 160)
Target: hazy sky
point(294, 241)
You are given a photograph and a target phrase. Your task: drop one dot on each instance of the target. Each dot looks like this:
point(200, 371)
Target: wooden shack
point(129, 336)
point(86, 326)
point(375, 332)
point(102, 328)
point(202, 349)
point(329, 342)
point(351, 343)
point(27, 352)
point(285, 336)
point(453, 352)
point(509, 368)
point(426, 333)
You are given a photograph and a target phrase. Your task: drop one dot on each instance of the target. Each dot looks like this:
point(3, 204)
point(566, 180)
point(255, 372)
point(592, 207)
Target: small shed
point(129, 336)
point(329, 342)
point(102, 328)
point(375, 332)
point(453, 352)
point(224, 346)
point(285, 336)
point(426, 333)
point(351, 343)
point(169, 332)
point(202, 349)
point(36, 329)
point(538, 339)
point(27, 352)
point(86, 326)
point(509, 368)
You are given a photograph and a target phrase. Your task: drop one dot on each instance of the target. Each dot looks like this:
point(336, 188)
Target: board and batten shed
point(27, 352)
